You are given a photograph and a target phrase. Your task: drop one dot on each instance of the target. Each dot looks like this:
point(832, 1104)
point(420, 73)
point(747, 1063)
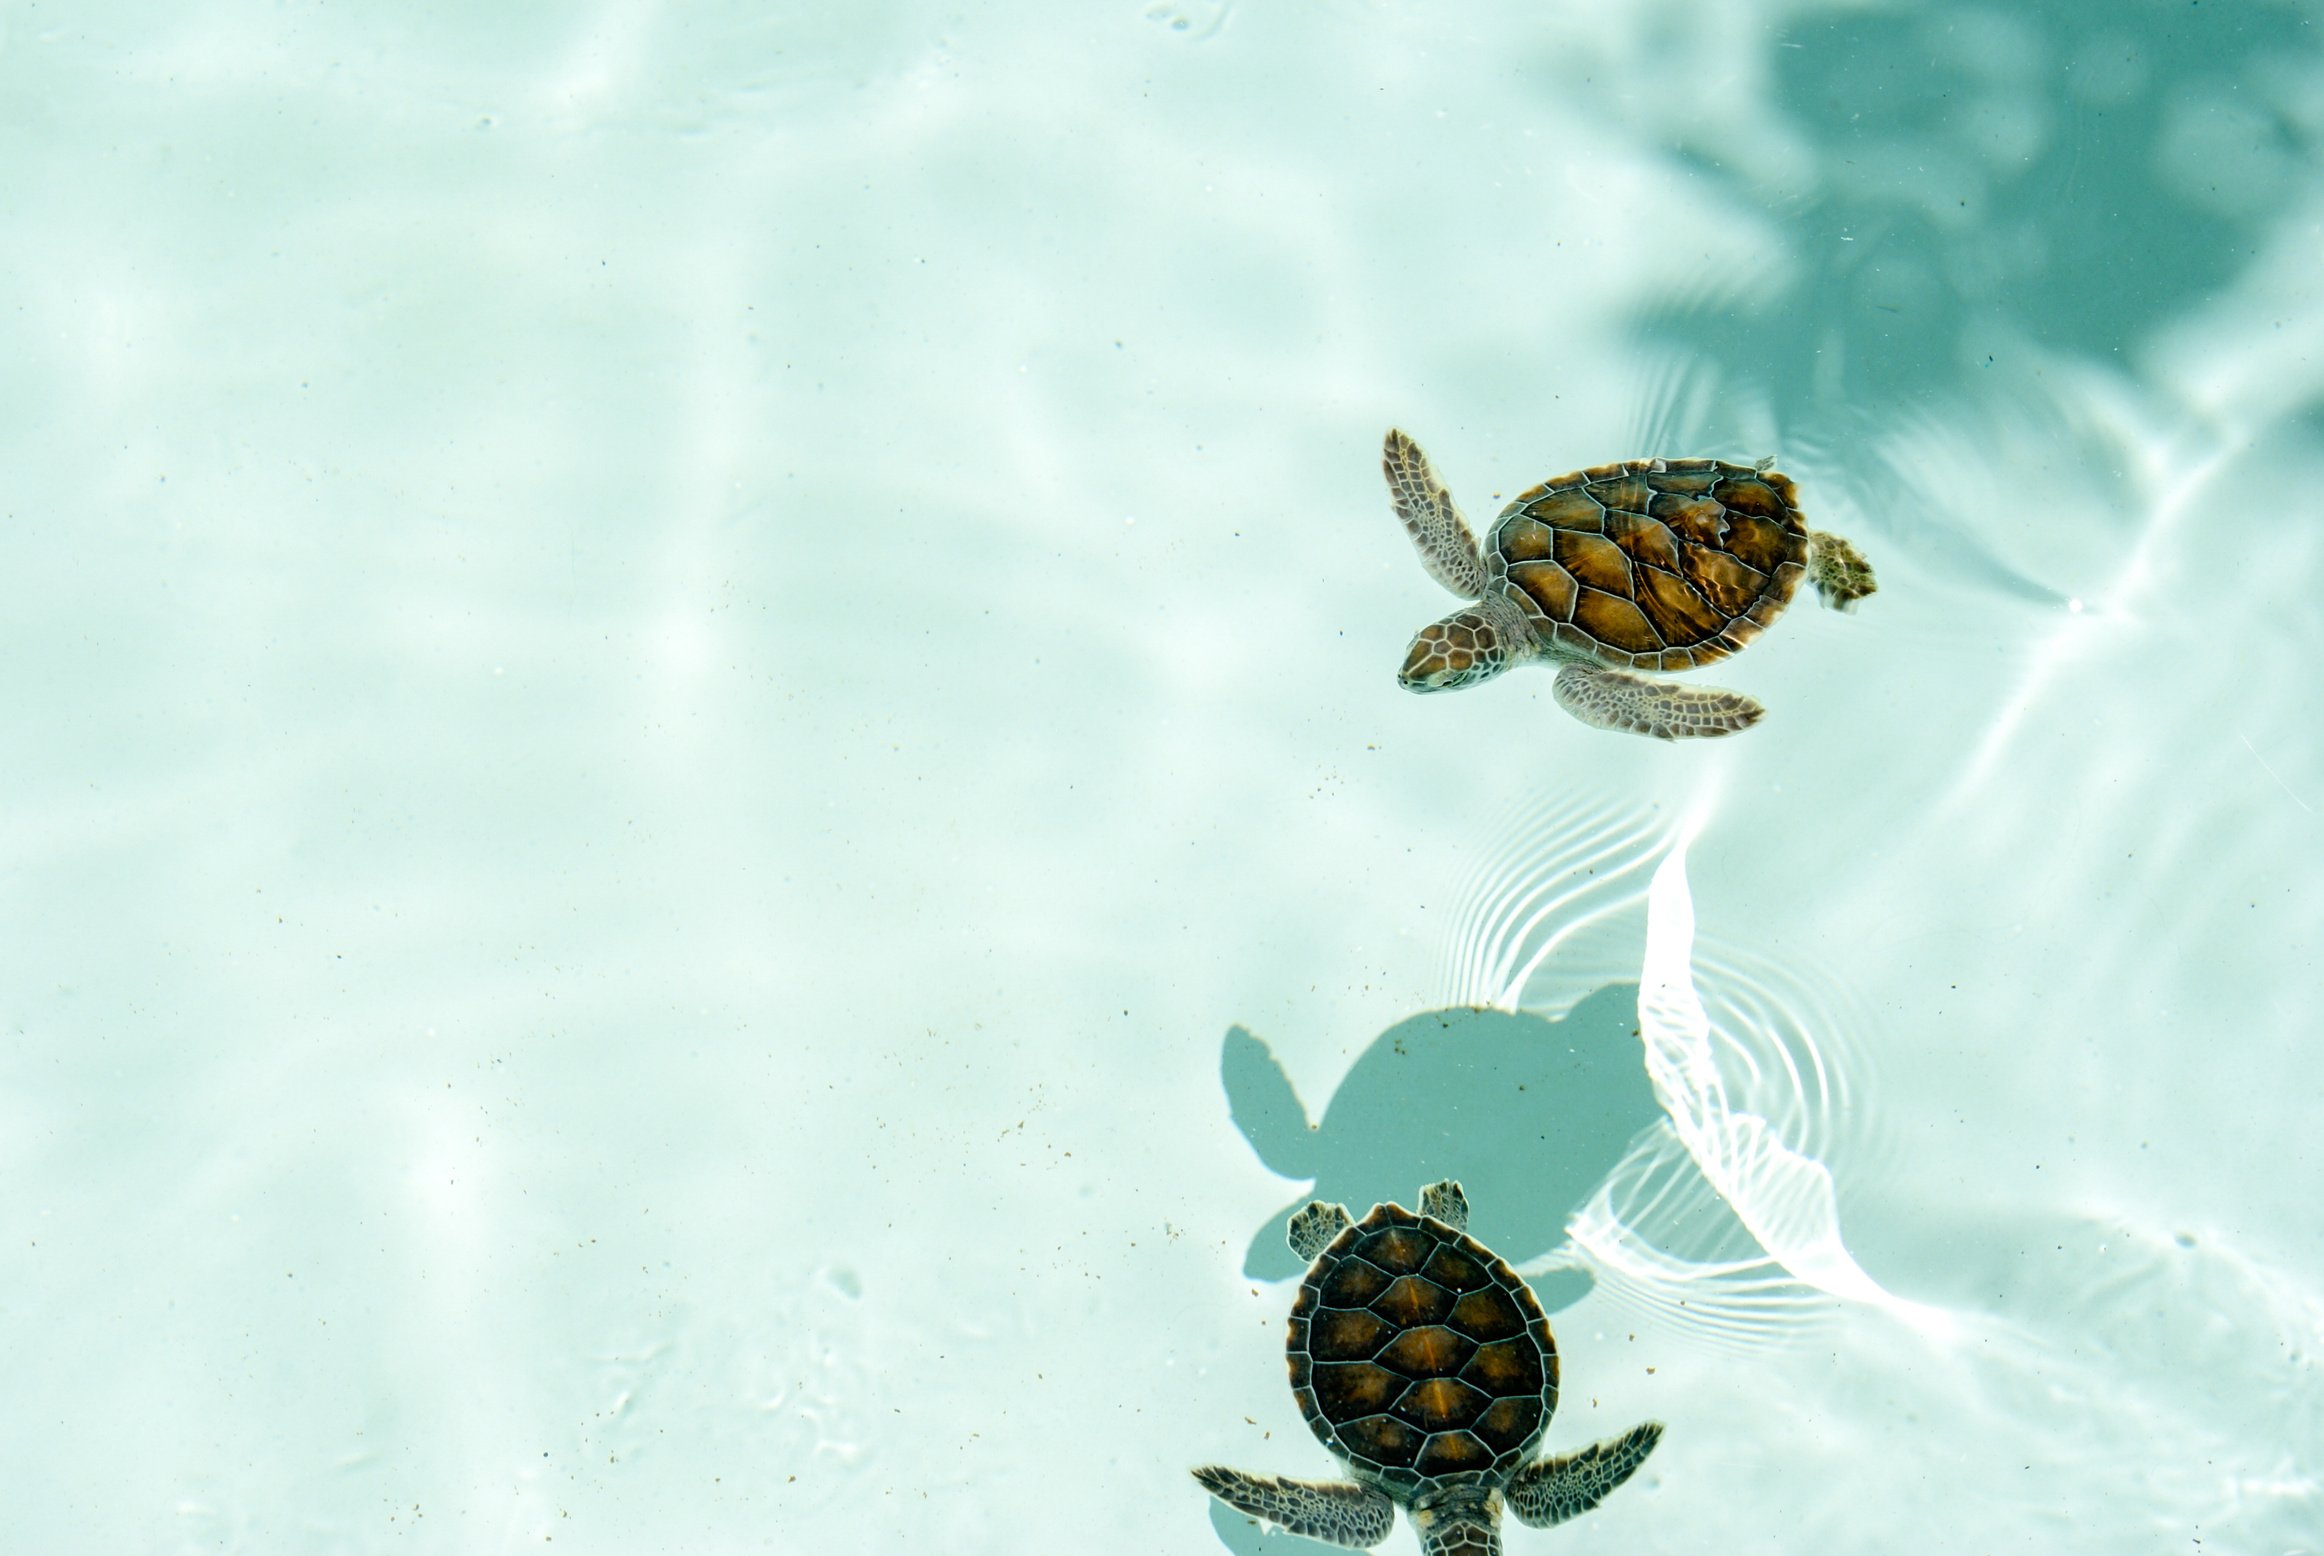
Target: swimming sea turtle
point(1423, 1361)
point(1651, 564)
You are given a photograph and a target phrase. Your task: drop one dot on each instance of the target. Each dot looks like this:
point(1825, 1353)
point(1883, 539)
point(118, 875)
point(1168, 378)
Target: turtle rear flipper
point(1310, 1231)
point(1337, 1512)
point(1610, 699)
point(1444, 1201)
point(1550, 1491)
point(1838, 570)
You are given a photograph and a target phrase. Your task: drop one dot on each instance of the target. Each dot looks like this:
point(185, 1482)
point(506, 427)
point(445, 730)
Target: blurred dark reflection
point(1955, 183)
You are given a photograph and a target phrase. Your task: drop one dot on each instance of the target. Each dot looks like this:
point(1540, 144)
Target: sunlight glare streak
point(2175, 474)
point(1557, 908)
point(1661, 1241)
point(1784, 1198)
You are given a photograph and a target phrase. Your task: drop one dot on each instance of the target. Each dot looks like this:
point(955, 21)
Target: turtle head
point(1461, 650)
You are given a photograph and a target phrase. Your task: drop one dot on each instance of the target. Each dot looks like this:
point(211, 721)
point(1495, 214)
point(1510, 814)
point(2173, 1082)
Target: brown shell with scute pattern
point(1419, 1356)
point(1652, 564)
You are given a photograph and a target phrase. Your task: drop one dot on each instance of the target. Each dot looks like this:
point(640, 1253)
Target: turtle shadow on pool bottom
point(1530, 1113)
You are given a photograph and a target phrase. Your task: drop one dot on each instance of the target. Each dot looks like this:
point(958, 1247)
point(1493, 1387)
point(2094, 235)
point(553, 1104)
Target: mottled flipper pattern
point(1551, 1491)
point(1838, 571)
point(1445, 1202)
point(1458, 1536)
point(1334, 1511)
point(1311, 1229)
point(1447, 547)
point(1613, 699)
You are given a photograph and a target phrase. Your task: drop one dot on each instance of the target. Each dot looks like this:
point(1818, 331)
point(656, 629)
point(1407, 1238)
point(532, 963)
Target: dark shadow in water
point(1971, 195)
point(2051, 171)
point(1529, 1114)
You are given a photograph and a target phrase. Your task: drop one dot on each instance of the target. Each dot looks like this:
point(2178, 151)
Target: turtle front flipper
point(1550, 1491)
point(1338, 1512)
point(1838, 570)
point(1610, 699)
point(1448, 548)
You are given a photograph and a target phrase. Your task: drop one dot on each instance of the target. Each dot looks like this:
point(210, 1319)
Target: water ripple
point(1723, 1213)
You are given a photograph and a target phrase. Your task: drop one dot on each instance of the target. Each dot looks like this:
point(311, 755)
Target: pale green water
point(671, 673)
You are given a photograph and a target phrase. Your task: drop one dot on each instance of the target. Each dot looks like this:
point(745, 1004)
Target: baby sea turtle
point(1651, 564)
point(1422, 1360)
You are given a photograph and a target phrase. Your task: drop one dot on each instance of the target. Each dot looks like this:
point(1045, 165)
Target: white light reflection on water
point(1722, 1214)
point(1783, 1195)
point(1723, 1230)
point(1566, 880)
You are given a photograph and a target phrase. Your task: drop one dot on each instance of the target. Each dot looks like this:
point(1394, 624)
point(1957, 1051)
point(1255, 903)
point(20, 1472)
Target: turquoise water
point(707, 814)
